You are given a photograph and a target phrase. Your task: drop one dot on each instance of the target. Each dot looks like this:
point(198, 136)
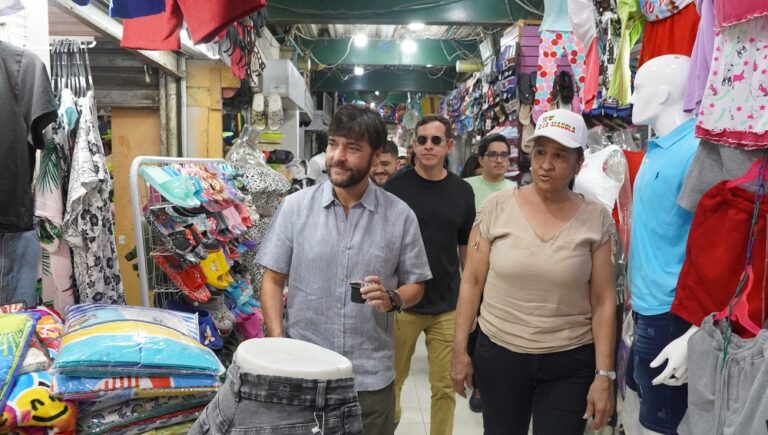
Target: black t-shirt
point(27, 107)
point(445, 210)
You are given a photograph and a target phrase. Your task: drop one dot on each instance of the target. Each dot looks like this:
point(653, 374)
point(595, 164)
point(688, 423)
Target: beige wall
point(135, 132)
point(205, 79)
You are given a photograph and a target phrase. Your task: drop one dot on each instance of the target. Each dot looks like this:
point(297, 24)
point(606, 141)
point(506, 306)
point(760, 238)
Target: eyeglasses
point(493, 155)
point(422, 140)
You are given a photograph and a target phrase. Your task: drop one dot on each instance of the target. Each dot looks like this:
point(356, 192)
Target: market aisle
point(415, 402)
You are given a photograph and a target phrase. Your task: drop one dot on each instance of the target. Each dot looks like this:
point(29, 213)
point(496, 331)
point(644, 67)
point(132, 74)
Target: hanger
point(739, 311)
point(751, 174)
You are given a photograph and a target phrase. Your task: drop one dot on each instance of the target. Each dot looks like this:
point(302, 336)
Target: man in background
point(493, 155)
point(445, 207)
point(493, 158)
point(316, 167)
point(385, 166)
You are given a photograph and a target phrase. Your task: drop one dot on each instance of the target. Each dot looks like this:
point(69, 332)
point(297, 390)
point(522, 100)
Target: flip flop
point(177, 190)
point(259, 120)
point(275, 114)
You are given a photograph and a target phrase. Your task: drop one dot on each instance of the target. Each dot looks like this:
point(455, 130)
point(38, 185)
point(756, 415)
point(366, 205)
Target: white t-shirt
point(316, 168)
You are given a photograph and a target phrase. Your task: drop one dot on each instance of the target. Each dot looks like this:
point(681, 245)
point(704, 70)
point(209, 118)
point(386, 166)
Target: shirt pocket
point(382, 259)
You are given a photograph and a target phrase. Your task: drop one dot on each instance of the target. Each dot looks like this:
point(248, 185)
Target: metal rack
point(155, 281)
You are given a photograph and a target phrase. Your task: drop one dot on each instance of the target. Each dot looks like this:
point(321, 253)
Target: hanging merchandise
point(30, 106)
point(237, 46)
point(701, 57)
point(88, 220)
point(557, 39)
point(204, 20)
point(726, 210)
point(733, 110)
point(669, 35)
point(632, 21)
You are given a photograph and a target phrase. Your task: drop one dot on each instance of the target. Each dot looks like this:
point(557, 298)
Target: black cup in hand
point(355, 294)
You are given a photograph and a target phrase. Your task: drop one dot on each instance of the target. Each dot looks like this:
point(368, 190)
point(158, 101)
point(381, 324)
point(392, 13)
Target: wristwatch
point(610, 374)
point(395, 300)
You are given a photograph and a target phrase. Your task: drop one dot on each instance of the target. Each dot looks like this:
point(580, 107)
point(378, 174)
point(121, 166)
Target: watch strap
point(610, 374)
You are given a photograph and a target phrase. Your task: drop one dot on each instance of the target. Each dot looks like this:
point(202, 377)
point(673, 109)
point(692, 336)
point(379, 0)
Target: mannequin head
point(659, 91)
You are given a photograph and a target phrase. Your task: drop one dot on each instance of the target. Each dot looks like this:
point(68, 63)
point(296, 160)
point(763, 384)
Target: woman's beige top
point(536, 296)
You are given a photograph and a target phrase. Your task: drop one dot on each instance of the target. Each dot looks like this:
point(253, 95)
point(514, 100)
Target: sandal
point(216, 270)
point(259, 120)
point(177, 190)
point(190, 280)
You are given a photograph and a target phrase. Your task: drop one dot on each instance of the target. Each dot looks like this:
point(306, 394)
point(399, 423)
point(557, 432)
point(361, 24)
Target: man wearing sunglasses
point(445, 207)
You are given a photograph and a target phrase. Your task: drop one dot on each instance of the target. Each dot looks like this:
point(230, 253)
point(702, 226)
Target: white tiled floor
point(415, 402)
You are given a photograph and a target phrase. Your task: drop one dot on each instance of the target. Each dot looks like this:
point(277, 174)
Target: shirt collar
point(679, 133)
point(369, 199)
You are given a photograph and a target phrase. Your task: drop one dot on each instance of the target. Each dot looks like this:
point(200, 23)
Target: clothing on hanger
point(88, 221)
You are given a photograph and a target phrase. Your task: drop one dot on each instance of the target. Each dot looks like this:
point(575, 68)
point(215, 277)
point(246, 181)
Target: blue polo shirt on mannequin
point(659, 225)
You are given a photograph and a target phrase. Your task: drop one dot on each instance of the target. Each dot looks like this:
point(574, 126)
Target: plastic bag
point(246, 149)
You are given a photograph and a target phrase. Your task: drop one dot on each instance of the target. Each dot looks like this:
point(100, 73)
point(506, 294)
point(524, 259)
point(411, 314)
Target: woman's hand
point(599, 402)
point(461, 372)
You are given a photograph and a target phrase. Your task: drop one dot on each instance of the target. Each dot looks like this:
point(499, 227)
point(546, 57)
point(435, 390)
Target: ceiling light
point(359, 70)
point(429, 65)
point(360, 40)
point(376, 93)
point(416, 26)
point(408, 46)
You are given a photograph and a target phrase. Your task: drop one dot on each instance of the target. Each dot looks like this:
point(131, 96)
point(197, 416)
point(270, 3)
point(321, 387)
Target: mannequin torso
point(291, 358)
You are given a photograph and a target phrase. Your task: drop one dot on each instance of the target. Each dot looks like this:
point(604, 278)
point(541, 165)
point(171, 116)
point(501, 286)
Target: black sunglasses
point(422, 140)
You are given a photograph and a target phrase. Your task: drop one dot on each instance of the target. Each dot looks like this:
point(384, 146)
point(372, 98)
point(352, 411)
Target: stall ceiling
point(446, 12)
point(450, 30)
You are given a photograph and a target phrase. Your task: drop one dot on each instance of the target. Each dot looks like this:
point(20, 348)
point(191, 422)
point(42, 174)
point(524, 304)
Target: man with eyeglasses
point(493, 153)
point(445, 207)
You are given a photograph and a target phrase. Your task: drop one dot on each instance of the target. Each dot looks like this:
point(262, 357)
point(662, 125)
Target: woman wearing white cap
point(541, 258)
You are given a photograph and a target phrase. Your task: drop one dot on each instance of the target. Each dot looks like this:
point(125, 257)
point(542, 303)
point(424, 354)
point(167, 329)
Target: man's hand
point(375, 294)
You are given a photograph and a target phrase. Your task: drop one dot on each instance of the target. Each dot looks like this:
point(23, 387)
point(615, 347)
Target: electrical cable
point(437, 76)
point(411, 7)
point(525, 6)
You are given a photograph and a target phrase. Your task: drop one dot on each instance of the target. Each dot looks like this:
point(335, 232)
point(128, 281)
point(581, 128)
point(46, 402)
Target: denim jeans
point(661, 406)
point(267, 405)
point(551, 387)
point(19, 258)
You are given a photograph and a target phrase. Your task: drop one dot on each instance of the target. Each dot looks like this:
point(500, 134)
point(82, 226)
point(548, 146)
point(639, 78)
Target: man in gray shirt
point(337, 232)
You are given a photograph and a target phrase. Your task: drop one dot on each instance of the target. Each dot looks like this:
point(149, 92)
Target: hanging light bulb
point(360, 39)
point(408, 46)
point(359, 70)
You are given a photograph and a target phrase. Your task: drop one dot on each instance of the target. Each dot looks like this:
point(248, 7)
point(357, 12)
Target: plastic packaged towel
point(118, 388)
point(103, 419)
point(107, 340)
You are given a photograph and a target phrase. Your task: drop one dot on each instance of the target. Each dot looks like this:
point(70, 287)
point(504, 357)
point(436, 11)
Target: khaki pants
point(378, 410)
point(438, 329)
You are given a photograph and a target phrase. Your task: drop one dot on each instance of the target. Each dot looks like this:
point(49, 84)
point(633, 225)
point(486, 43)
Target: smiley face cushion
point(32, 404)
